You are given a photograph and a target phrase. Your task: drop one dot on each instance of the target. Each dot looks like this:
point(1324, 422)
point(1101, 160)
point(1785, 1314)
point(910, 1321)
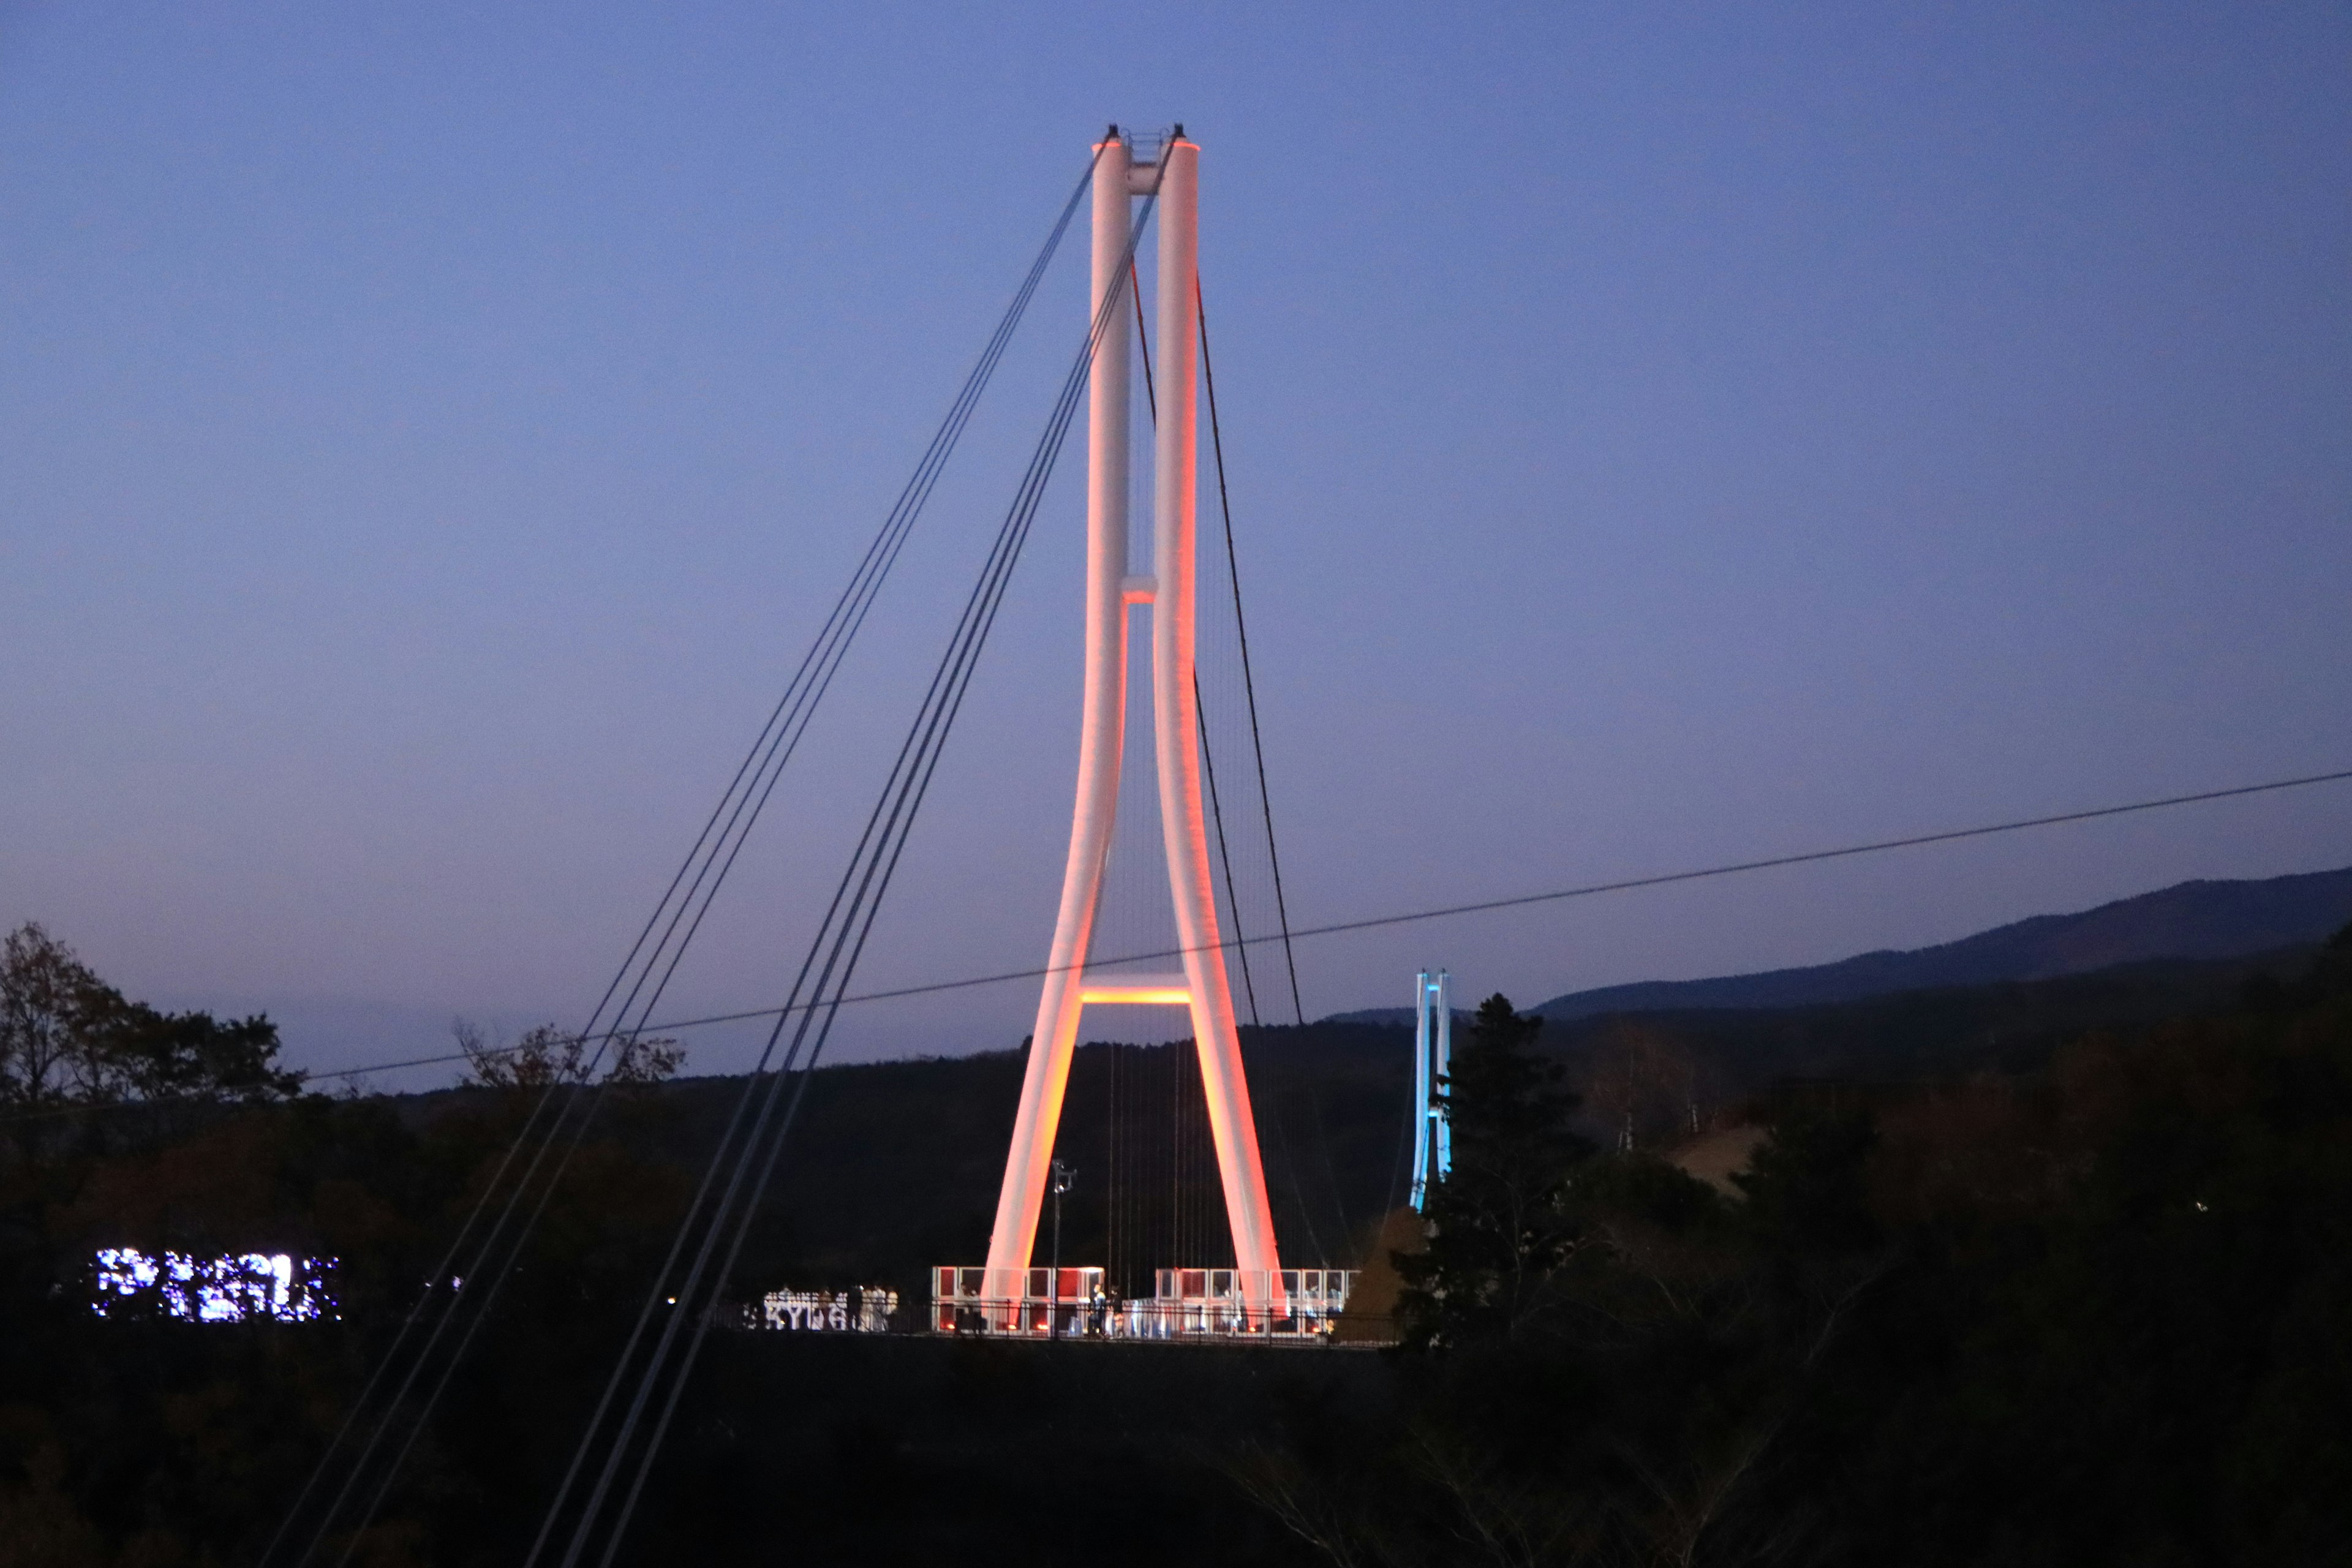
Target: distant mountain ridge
point(2190, 920)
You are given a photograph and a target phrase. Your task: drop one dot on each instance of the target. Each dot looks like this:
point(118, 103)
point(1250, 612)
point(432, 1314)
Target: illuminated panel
point(233, 1289)
point(865, 1310)
point(1138, 995)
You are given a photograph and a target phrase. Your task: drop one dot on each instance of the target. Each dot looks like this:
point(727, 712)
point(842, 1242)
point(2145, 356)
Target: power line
point(1447, 911)
point(1587, 889)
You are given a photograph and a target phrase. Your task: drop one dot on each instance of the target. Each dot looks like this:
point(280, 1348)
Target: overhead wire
point(1448, 911)
point(1589, 890)
point(1452, 911)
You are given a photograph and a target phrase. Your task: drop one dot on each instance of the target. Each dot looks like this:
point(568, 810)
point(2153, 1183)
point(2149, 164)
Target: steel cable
point(874, 864)
point(1240, 625)
point(1447, 911)
point(1240, 944)
point(709, 860)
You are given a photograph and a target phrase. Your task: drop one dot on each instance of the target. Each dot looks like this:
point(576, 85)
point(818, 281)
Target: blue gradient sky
point(429, 435)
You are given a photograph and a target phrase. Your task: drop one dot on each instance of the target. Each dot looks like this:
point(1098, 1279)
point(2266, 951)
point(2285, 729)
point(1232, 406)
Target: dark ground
point(905, 1450)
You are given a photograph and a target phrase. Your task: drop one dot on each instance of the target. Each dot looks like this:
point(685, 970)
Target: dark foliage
point(2088, 1313)
point(70, 1042)
point(1500, 1230)
point(2092, 1315)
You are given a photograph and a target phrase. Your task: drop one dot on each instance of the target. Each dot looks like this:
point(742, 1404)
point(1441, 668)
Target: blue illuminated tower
point(1433, 1056)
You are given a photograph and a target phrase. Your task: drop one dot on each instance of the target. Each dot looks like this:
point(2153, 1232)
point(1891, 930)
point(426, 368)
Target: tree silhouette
point(1498, 1224)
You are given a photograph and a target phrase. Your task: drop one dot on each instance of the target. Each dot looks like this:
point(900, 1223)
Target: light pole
point(1063, 1176)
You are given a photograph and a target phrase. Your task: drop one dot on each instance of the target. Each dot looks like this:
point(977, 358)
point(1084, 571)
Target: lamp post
point(1062, 1177)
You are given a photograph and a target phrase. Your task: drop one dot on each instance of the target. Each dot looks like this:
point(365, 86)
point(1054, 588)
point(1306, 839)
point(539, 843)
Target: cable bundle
point(688, 1290)
point(373, 1443)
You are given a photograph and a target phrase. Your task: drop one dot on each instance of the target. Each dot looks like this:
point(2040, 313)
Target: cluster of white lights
point(868, 1313)
point(235, 1289)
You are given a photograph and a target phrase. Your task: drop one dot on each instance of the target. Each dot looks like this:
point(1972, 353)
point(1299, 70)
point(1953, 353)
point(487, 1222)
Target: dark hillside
point(955, 1452)
point(2188, 921)
point(1926, 1033)
point(893, 1167)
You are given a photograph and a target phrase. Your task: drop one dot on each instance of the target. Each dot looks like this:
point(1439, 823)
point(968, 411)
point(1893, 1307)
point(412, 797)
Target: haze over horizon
point(432, 439)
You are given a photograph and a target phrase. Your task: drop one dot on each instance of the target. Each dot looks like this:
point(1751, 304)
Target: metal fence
point(1285, 1306)
point(859, 1309)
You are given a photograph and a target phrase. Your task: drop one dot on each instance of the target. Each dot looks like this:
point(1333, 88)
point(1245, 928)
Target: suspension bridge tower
point(1123, 172)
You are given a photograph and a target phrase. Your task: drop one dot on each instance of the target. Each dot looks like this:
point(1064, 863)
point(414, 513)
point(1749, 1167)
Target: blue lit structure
point(1433, 1060)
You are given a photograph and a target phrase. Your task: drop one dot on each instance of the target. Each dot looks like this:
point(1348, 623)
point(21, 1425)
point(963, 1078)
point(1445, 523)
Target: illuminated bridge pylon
point(1111, 585)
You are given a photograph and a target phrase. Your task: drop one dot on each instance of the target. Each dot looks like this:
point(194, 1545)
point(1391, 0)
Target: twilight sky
point(429, 435)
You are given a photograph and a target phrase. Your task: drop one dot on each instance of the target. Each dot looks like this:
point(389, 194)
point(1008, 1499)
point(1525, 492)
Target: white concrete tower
point(1203, 987)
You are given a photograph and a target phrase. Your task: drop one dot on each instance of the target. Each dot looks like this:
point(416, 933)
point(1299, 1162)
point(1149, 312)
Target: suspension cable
point(1274, 855)
point(1241, 623)
point(1233, 894)
point(890, 847)
point(706, 864)
point(834, 955)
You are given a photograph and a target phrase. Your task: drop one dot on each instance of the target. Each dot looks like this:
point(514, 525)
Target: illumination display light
point(233, 1288)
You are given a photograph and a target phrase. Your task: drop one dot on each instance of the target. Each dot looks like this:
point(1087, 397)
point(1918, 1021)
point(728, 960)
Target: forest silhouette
point(2042, 1273)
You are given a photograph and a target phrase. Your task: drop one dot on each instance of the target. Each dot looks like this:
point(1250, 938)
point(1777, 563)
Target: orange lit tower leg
point(1177, 718)
point(1101, 730)
point(1203, 987)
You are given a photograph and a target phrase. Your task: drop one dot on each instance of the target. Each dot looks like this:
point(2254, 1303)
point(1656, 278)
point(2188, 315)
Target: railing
point(1290, 1304)
point(865, 1310)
